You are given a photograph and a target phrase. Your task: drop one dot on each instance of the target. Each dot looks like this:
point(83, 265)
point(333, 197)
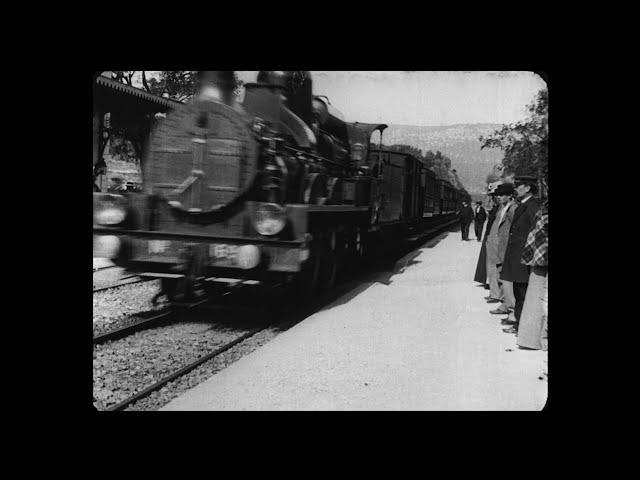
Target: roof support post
point(98, 118)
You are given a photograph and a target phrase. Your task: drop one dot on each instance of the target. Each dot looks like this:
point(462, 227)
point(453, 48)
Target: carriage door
point(421, 176)
point(408, 192)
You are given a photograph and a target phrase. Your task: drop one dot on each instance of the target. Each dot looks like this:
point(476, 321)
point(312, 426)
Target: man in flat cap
point(524, 218)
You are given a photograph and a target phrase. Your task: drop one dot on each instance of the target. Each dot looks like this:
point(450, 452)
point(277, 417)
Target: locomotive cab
point(331, 130)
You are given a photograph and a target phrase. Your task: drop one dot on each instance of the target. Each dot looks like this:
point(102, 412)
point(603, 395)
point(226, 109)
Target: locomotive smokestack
point(296, 88)
point(217, 86)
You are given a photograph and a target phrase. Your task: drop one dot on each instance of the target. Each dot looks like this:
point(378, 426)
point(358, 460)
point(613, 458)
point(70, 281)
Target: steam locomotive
point(277, 190)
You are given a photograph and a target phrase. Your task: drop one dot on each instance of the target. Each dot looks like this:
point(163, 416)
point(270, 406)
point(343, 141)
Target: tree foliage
point(175, 84)
point(179, 85)
point(525, 144)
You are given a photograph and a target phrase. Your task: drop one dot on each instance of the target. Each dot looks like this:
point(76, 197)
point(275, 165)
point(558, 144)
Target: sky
point(425, 98)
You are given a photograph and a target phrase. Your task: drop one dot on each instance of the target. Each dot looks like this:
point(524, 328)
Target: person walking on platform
point(466, 216)
point(534, 255)
point(481, 267)
point(497, 245)
point(479, 218)
point(523, 221)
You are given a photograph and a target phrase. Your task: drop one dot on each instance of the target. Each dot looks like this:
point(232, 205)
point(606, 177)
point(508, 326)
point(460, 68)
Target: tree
point(179, 85)
point(492, 177)
point(525, 144)
point(123, 76)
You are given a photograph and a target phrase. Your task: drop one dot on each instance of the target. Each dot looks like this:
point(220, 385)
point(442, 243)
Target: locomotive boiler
point(277, 190)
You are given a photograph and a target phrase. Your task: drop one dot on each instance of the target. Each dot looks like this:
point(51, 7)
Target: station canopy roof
point(109, 95)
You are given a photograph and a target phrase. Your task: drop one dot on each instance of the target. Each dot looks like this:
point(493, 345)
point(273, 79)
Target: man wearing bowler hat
point(523, 221)
point(496, 246)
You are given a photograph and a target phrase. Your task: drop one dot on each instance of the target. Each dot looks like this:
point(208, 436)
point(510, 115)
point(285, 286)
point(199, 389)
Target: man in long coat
point(465, 216)
point(479, 219)
point(523, 221)
point(496, 248)
point(481, 267)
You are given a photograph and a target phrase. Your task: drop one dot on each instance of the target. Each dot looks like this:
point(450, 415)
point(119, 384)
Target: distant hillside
point(458, 142)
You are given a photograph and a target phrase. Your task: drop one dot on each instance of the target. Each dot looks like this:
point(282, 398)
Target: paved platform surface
point(420, 340)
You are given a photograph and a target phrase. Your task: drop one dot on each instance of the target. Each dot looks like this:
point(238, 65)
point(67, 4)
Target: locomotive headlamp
point(109, 209)
point(269, 219)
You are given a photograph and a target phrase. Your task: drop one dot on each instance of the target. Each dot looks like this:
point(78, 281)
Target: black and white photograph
point(320, 240)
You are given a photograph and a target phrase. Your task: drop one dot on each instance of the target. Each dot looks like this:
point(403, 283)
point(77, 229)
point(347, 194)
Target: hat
point(527, 180)
point(504, 189)
point(492, 187)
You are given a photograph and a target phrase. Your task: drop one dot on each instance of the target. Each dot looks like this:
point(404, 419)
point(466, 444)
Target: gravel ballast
point(124, 367)
point(160, 398)
point(121, 306)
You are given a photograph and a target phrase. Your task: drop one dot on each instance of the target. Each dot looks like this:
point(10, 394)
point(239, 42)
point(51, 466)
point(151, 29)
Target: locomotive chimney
point(296, 89)
point(217, 86)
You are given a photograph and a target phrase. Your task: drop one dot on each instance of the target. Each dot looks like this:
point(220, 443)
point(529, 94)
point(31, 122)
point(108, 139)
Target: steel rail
point(184, 370)
point(99, 269)
point(129, 329)
point(141, 280)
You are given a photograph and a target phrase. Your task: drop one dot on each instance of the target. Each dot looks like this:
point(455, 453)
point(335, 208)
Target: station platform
point(422, 339)
point(99, 262)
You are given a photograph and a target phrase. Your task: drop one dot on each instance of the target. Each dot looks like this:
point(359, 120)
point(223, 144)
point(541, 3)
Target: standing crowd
point(513, 259)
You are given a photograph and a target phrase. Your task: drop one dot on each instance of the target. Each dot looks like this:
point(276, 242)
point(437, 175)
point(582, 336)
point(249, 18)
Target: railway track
point(182, 371)
point(119, 333)
point(144, 323)
point(123, 283)
point(100, 269)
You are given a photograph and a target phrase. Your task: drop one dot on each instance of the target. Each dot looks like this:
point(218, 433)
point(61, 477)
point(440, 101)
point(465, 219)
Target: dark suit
point(481, 217)
point(513, 269)
point(481, 268)
point(465, 216)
